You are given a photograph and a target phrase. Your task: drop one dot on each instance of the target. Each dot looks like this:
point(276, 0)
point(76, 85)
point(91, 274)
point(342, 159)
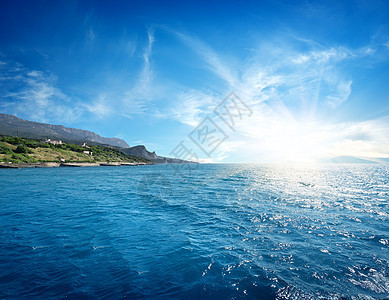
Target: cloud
point(290, 74)
point(343, 91)
point(366, 139)
point(146, 75)
point(100, 108)
point(213, 61)
point(149, 47)
point(137, 95)
point(190, 107)
point(131, 47)
point(90, 35)
point(289, 91)
point(323, 56)
point(136, 100)
point(34, 95)
point(280, 72)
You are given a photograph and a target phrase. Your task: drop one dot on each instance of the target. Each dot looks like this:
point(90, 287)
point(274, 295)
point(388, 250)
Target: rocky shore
point(72, 164)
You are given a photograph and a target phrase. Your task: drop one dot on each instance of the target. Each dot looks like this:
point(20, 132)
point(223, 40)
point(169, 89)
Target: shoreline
point(69, 165)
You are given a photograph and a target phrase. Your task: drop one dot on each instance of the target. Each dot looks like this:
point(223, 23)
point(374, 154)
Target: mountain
point(13, 126)
point(141, 151)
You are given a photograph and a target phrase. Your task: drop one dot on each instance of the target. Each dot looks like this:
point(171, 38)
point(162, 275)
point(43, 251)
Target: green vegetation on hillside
point(24, 150)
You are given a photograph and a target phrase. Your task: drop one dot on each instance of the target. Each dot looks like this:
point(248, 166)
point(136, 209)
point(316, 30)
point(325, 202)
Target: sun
point(296, 141)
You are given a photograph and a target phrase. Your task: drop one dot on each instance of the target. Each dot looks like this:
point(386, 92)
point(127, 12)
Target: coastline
point(70, 164)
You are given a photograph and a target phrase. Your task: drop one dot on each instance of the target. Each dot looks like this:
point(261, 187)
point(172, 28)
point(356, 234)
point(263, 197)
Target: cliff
point(140, 151)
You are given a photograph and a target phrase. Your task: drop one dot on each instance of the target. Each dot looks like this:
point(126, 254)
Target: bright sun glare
point(296, 141)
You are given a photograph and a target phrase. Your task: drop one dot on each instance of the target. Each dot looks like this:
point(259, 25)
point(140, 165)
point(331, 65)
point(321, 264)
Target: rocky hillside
point(13, 126)
point(23, 150)
point(141, 151)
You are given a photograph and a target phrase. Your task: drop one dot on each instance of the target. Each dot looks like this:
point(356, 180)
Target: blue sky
point(314, 74)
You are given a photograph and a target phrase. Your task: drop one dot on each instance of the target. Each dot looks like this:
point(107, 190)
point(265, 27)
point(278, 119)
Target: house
point(49, 141)
point(87, 152)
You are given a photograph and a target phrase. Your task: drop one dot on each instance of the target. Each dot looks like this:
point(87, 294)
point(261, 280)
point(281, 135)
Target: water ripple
point(224, 231)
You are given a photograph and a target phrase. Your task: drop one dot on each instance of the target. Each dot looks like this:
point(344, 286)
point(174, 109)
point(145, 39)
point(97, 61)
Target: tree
point(21, 148)
point(5, 150)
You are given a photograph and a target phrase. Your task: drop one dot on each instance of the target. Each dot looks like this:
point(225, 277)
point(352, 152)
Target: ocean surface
point(195, 231)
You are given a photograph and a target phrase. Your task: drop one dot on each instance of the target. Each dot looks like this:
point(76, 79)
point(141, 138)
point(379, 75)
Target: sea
point(208, 231)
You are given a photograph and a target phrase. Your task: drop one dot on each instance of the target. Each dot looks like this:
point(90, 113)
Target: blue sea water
point(204, 232)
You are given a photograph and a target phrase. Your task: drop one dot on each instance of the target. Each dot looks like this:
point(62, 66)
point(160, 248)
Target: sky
point(214, 81)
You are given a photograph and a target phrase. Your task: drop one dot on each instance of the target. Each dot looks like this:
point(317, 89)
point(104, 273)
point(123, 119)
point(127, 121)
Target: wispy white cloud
point(147, 74)
point(149, 47)
point(34, 94)
point(136, 100)
point(342, 92)
point(286, 91)
point(287, 74)
point(365, 138)
point(323, 56)
point(100, 107)
point(212, 60)
point(190, 107)
point(137, 93)
point(130, 47)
